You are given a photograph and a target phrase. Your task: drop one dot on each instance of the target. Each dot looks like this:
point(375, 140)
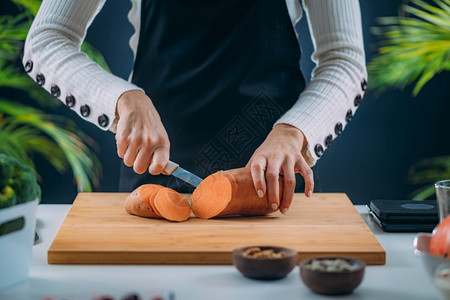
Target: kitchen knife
point(175, 170)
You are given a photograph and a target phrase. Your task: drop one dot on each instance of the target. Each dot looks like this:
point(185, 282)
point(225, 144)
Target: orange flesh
point(212, 195)
point(227, 193)
point(172, 205)
point(151, 198)
point(137, 204)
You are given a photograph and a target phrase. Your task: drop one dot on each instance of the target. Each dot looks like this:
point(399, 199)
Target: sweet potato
point(227, 193)
point(138, 202)
point(156, 201)
point(172, 205)
point(151, 196)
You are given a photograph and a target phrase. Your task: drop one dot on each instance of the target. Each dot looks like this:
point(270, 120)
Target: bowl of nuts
point(264, 262)
point(332, 275)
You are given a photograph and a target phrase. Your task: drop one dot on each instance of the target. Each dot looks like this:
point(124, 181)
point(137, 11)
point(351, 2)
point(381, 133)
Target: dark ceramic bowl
point(333, 282)
point(265, 268)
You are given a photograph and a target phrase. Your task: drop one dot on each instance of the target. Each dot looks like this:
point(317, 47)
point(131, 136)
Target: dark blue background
point(369, 160)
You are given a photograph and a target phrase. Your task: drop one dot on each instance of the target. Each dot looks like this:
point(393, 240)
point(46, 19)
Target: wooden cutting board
point(97, 230)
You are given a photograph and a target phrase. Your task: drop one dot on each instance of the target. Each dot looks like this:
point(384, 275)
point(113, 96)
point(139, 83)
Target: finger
point(130, 155)
point(159, 160)
point(122, 143)
point(308, 175)
point(257, 167)
point(272, 177)
point(288, 168)
point(143, 160)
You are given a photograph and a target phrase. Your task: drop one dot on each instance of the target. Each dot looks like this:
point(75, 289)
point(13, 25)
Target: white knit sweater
point(53, 58)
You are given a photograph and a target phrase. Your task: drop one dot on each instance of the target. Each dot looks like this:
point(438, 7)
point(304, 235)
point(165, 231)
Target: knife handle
point(170, 167)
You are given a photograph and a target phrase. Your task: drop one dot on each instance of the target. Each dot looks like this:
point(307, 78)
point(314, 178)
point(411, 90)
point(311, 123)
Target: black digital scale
point(404, 215)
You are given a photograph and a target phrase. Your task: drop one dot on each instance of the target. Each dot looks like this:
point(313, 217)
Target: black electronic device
point(405, 215)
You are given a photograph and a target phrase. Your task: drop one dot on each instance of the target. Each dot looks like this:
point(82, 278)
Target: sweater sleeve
point(338, 81)
point(52, 57)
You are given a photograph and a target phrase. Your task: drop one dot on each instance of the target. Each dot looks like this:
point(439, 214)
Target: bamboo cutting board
point(97, 230)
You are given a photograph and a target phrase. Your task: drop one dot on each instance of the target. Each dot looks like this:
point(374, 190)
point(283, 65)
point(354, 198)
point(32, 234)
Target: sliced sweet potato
point(212, 195)
point(172, 205)
point(151, 198)
point(138, 203)
point(229, 193)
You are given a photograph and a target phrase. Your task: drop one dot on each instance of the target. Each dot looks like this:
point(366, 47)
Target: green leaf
point(424, 193)
point(413, 48)
point(13, 31)
point(31, 6)
point(429, 13)
point(430, 170)
point(26, 127)
point(95, 55)
point(11, 78)
point(26, 131)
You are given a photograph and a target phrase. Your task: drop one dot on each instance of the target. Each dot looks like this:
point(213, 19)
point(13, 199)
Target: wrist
point(292, 132)
point(125, 99)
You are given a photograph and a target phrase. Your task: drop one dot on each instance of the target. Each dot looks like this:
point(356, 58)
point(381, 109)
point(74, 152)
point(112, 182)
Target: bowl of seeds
point(332, 275)
point(264, 262)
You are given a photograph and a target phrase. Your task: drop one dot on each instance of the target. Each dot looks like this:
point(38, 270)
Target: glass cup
point(443, 198)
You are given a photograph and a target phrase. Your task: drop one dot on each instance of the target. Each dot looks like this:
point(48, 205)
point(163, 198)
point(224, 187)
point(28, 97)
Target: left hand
point(279, 154)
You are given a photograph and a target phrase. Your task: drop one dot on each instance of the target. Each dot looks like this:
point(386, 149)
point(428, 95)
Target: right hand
point(141, 138)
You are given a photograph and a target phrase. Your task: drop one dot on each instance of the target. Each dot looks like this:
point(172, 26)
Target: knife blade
point(175, 170)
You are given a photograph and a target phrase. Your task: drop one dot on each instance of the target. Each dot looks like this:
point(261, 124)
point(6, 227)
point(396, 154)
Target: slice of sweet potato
point(137, 203)
point(172, 205)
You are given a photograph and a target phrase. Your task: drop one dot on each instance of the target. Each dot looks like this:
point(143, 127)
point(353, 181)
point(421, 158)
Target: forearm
point(52, 57)
point(339, 79)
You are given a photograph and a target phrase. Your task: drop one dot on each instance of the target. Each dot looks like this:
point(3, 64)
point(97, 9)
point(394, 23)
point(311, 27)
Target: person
point(221, 79)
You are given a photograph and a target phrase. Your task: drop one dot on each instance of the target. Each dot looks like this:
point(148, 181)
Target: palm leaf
point(31, 7)
point(11, 78)
point(26, 131)
point(412, 49)
point(95, 55)
point(424, 193)
point(429, 13)
point(428, 171)
point(13, 31)
point(61, 147)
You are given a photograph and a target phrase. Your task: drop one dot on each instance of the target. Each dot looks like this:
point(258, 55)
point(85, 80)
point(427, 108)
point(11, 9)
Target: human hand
point(141, 138)
point(281, 154)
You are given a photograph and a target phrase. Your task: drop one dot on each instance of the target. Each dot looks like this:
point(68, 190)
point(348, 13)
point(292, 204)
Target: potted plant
point(414, 47)
point(19, 197)
point(25, 131)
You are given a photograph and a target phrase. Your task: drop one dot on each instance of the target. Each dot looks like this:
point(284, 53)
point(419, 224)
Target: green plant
point(26, 130)
point(18, 184)
point(414, 47)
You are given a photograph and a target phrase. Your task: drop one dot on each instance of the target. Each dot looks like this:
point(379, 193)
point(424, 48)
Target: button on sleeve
point(40, 79)
point(70, 101)
point(348, 115)
point(318, 149)
point(28, 66)
point(338, 128)
point(55, 91)
point(103, 120)
point(85, 110)
point(358, 100)
point(364, 85)
point(328, 140)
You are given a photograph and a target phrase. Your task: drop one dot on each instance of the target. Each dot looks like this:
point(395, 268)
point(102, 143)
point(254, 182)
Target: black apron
point(220, 73)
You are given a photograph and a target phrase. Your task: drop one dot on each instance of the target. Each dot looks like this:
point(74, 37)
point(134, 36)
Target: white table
point(401, 278)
